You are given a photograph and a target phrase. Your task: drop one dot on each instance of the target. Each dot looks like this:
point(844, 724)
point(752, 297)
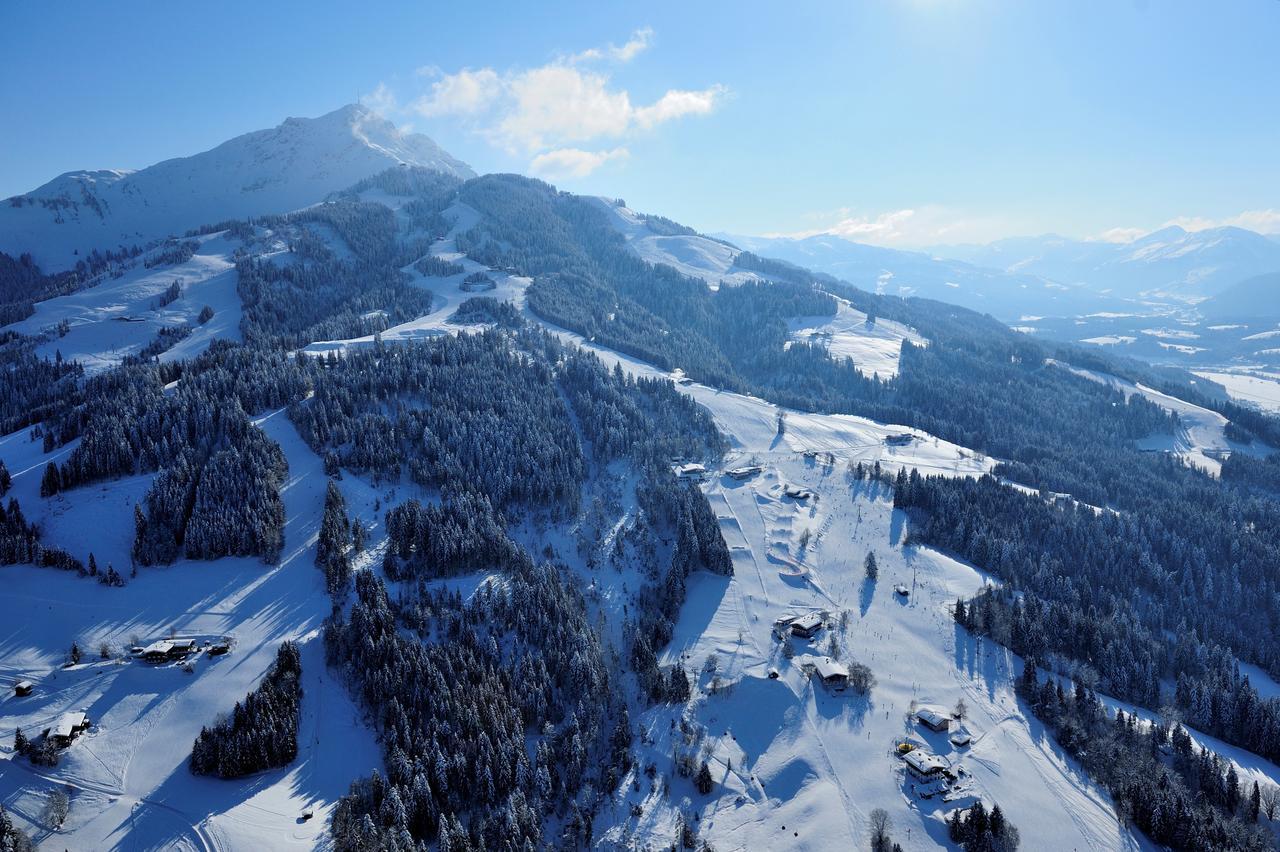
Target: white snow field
point(119, 317)
point(128, 776)
point(875, 349)
point(693, 255)
point(1257, 388)
point(1200, 442)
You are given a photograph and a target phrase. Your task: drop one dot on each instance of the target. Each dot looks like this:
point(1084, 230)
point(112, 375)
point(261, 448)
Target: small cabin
point(834, 676)
point(807, 626)
point(902, 590)
point(932, 719)
point(795, 492)
point(69, 726)
point(925, 766)
point(902, 439)
point(23, 688)
point(960, 739)
point(217, 649)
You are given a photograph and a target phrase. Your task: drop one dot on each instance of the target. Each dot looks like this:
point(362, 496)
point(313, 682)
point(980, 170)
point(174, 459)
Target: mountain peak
point(297, 163)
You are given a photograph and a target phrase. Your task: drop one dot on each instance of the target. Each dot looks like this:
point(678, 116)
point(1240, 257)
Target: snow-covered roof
point(829, 668)
point(808, 621)
point(932, 717)
point(163, 646)
point(23, 684)
point(924, 762)
point(691, 469)
point(68, 723)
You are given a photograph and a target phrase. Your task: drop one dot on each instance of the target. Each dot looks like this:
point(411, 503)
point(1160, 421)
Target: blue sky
point(903, 122)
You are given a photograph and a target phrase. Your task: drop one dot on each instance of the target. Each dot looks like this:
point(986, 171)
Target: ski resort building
point(834, 676)
point(795, 492)
point(693, 471)
point(741, 473)
point(807, 626)
point(69, 726)
point(932, 719)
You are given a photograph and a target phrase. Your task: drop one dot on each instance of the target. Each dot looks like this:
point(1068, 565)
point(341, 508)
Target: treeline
point(1126, 600)
point(262, 730)
point(32, 388)
point(1181, 796)
point(217, 489)
point(460, 409)
point(586, 280)
point(22, 284)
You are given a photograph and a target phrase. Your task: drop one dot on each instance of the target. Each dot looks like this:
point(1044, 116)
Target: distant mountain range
point(1170, 262)
point(1005, 294)
point(267, 171)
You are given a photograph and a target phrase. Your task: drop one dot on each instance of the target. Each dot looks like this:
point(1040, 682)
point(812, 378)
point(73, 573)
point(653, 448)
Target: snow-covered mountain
point(267, 171)
point(1171, 260)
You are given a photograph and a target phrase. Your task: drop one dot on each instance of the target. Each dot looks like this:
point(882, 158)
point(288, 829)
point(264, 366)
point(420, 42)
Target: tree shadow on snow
point(868, 593)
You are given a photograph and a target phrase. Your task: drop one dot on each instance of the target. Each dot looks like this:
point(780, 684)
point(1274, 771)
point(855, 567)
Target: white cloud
point(678, 103)
point(557, 104)
point(382, 100)
point(574, 162)
point(464, 93)
point(909, 227)
point(1262, 221)
point(553, 113)
point(637, 44)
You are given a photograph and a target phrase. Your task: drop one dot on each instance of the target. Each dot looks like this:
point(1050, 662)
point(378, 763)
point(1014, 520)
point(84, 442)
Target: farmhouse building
point(807, 625)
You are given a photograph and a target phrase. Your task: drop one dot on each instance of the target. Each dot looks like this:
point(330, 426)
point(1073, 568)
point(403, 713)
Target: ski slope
point(690, 254)
point(874, 349)
point(799, 768)
point(119, 317)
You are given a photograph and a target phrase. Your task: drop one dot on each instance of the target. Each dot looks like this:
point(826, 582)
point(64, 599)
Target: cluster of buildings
point(929, 773)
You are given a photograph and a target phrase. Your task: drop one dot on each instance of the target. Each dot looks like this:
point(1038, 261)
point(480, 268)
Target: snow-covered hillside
point(128, 775)
point(692, 254)
point(266, 171)
point(102, 325)
point(1201, 441)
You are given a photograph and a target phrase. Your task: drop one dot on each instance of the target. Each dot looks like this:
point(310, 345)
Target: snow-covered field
point(875, 349)
point(1261, 389)
point(119, 317)
point(130, 785)
point(1200, 442)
